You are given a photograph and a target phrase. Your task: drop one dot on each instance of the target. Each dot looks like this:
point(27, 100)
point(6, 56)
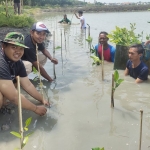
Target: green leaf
point(28, 121)
point(34, 70)
point(18, 135)
point(120, 81)
point(26, 129)
point(29, 134)
point(97, 148)
point(58, 47)
point(17, 149)
point(116, 75)
point(24, 142)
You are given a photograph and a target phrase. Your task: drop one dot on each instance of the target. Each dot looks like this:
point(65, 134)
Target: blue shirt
point(141, 71)
point(112, 51)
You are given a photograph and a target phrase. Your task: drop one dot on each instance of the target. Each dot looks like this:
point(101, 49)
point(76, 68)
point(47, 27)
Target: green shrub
point(15, 21)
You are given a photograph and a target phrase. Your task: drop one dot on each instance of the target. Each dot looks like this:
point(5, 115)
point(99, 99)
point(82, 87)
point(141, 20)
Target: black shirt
point(30, 54)
point(16, 1)
point(9, 69)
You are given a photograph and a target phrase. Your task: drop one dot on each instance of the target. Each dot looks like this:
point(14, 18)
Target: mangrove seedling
point(89, 40)
point(25, 138)
point(115, 83)
point(96, 60)
point(58, 47)
point(97, 148)
point(123, 36)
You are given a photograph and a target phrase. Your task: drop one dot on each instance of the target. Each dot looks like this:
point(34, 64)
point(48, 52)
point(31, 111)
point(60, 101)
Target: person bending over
point(135, 67)
point(37, 36)
point(11, 66)
point(65, 20)
point(82, 19)
point(108, 50)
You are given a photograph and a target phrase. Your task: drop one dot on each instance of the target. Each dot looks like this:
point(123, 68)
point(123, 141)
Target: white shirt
point(81, 20)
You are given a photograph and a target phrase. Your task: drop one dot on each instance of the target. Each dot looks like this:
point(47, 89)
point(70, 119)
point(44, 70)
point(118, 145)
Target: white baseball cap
point(40, 26)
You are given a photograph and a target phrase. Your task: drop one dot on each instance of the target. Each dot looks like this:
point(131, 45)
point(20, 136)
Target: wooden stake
point(54, 54)
point(102, 63)
point(20, 112)
point(41, 85)
point(140, 143)
point(112, 92)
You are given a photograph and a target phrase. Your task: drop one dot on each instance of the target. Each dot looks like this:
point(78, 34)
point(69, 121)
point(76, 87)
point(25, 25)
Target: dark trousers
point(17, 6)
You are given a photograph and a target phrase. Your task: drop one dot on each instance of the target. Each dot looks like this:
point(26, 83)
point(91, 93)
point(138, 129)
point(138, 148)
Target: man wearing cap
point(37, 36)
point(10, 67)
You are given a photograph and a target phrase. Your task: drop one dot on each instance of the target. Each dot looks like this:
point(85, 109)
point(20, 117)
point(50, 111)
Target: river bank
point(98, 8)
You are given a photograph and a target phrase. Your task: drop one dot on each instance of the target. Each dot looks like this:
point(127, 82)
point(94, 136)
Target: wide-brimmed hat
point(40, 26)
point(14, 38)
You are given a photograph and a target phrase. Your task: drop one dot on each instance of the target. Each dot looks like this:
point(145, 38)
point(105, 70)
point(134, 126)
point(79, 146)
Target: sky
point(116, 1)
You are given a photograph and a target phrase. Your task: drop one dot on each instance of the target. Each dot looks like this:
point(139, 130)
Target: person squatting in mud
point(11, 66)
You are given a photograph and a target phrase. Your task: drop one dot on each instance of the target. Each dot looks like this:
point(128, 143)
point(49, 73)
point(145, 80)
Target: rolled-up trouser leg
point(42, 59)
point(28, 65)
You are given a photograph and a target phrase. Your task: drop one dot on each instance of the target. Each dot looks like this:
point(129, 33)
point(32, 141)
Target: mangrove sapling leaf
point(18, 135)
point(34, 70)
point(28, 122)
point(97, 148)
point(116, 75)
point(117, 80)
point(96, 60)
point(58, 47)
point(89, 39)
point(25, 141)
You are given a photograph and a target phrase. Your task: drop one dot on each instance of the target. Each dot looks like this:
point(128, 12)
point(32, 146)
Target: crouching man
point(10, 67)
point(135, 67)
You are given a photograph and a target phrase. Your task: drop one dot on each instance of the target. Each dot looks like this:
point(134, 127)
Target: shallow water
point(81, 116)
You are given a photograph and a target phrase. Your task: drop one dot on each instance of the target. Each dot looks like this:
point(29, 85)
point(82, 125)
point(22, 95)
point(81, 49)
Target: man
point(82, 19)
point(37, 36)
point(10, 67)
point(108, 50)
point(65, 20)
point(17, 6)
point(135, 67)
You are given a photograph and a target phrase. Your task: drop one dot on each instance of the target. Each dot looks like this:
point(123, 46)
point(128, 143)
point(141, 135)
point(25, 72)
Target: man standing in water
point(108, 50)
point(37, 36)
point(10, 67)
point(135, 67)
point(82, 19)
point(65, 20)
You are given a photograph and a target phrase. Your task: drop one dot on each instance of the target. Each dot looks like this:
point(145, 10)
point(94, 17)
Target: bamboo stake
point(61, 52)
point(41, 85)
point(54, 54)
point(20, 112)
point(112, 92)
point(140, 143)
point(102, 63)
point(88, 30)
point(65, 39)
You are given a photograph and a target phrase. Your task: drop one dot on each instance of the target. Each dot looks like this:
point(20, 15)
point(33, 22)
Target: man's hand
point(54, 60)
point(40, 110)
point(45, 102)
